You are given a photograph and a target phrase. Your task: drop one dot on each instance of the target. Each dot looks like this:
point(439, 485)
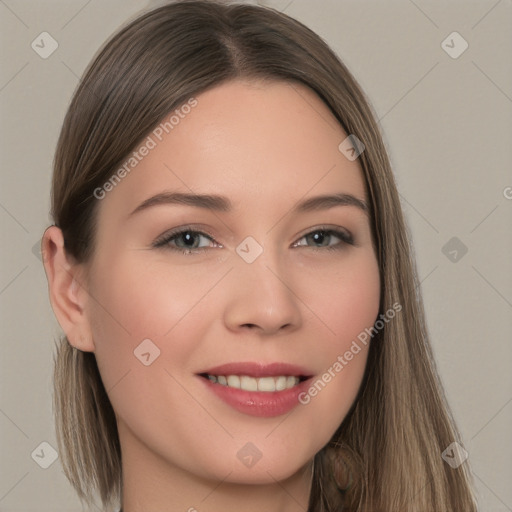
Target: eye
point(182, 240)
point(187, 240)
point(322, 236)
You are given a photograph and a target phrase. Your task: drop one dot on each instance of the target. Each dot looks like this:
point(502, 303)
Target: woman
point(215, 358)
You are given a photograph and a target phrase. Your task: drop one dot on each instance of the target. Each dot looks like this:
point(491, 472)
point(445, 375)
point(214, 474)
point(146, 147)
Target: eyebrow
point(223, 204)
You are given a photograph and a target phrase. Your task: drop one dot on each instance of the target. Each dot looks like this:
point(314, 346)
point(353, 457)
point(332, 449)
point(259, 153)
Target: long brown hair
point(386, 454)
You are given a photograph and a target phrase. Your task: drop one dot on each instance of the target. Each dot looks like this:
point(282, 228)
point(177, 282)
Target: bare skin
point(265, 147)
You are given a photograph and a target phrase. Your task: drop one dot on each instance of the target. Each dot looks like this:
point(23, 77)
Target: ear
point(68, 293)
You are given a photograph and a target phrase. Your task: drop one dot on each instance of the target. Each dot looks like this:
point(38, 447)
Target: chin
point(266, 470)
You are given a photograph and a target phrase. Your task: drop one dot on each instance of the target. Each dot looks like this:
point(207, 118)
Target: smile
point(247, 383)
point(257, 389)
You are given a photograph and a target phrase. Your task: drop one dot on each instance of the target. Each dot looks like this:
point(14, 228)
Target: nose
point(261, 298)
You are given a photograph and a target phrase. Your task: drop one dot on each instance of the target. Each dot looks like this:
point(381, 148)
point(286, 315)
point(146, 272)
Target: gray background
point(447, 124)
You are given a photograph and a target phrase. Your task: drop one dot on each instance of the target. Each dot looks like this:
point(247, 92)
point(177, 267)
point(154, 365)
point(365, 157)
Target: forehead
point(263, 144)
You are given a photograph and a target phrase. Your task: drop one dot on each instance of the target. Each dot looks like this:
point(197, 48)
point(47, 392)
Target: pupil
point(188, 238)
point(319, 236)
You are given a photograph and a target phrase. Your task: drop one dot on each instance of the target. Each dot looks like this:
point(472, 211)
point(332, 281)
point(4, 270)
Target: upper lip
point(256, 369)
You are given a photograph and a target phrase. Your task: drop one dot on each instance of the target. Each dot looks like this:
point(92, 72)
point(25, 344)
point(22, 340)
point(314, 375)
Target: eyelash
point(164, 241)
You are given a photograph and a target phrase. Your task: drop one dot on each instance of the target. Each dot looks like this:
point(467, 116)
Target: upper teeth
point(247, 383)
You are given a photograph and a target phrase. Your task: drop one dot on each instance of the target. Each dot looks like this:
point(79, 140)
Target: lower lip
point(265, 404)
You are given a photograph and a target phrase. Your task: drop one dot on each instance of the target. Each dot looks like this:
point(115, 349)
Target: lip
point(255, 369)
point(258, 403)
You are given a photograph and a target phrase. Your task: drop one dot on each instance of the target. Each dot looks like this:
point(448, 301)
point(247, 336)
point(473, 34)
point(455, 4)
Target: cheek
point(136, 300)
point(345, 300)
point(148, 321)
point(348, 310)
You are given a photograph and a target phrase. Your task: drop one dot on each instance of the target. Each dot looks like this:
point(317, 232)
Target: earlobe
point(67, 290)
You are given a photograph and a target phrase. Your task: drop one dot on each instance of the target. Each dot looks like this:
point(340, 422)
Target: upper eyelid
point(165, 237)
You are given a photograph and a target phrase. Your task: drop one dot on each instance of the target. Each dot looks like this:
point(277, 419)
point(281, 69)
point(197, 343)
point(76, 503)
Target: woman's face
point(256, 283)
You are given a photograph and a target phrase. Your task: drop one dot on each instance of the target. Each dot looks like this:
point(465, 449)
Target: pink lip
point(253, 369)
point(258, 403)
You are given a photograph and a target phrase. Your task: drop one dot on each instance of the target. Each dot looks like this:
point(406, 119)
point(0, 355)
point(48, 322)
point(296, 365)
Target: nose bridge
point(262, 296)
